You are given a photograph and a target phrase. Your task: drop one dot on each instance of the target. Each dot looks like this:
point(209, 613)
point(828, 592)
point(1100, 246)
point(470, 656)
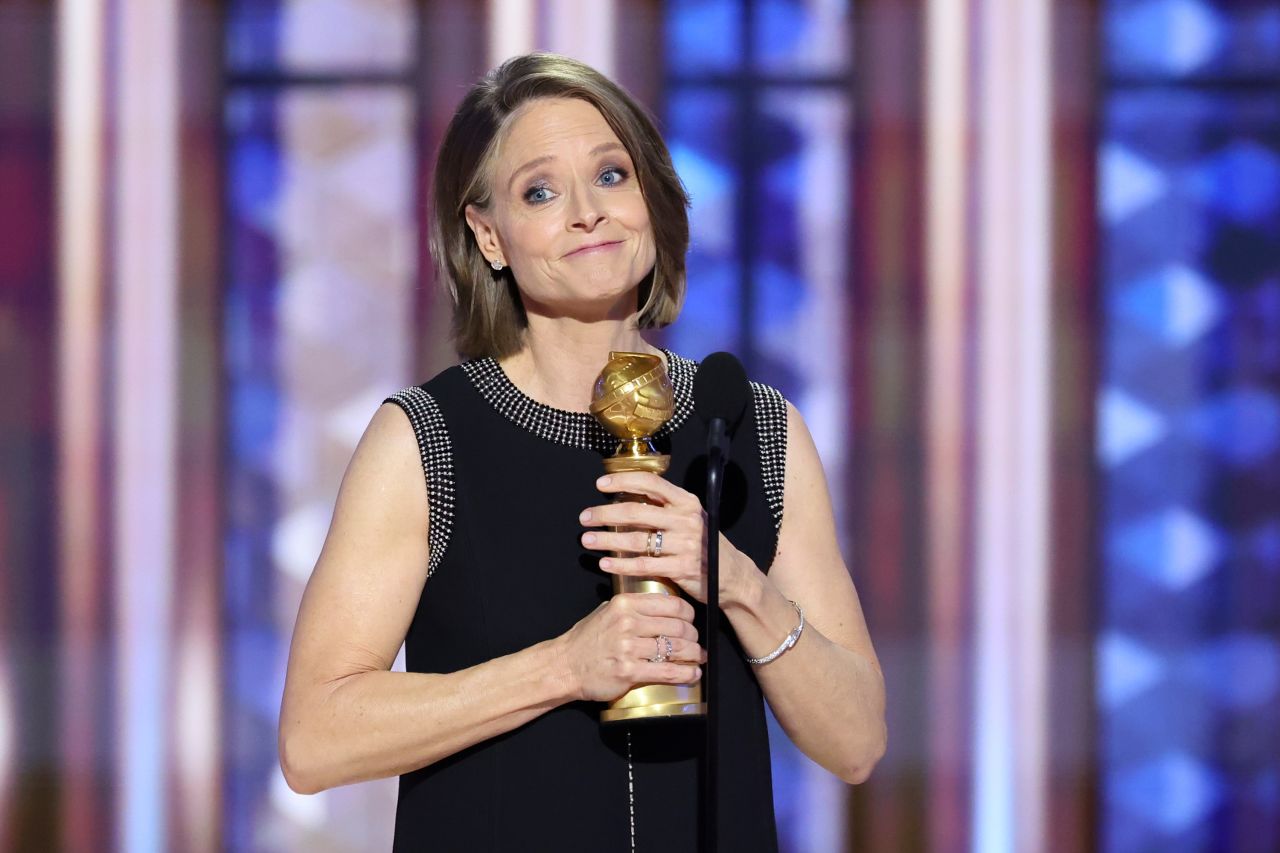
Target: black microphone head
point(720, 389)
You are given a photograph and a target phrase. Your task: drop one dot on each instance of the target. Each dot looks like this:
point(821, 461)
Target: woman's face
point(566, 213)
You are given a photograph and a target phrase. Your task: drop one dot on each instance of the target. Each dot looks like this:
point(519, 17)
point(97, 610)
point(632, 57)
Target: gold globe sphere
point(633, 396)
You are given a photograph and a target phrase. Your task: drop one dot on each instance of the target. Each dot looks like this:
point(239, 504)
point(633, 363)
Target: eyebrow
point(547, 158)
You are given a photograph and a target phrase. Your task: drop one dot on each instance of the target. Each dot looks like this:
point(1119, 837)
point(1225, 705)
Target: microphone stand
point(717, 450)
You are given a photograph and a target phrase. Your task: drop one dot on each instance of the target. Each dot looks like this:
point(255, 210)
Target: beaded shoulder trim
point(437, 465)
point(574, 429)
point(771, 430)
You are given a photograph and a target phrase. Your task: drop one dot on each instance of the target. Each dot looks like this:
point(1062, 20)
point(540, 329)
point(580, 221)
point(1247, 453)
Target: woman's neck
point(562, 357)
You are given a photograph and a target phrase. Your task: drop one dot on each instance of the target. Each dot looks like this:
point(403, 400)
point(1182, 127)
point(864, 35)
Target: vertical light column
point(584, 31)
point(345, 219)
point(145, 388)
point(1012, 561)
point(513, 29)
point(320, 232)
point(80, 135)
point(198, 610)
point(949, 264)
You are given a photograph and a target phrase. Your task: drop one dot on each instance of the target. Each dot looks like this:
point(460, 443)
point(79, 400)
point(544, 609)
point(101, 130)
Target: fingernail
point(606, 563)
point(586, 515)
point(697, 673)
point(588, 538)
point(604, 481)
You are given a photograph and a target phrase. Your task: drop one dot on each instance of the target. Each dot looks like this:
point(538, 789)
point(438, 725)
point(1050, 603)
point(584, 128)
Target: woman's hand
point(611, 649)
point(679, 516)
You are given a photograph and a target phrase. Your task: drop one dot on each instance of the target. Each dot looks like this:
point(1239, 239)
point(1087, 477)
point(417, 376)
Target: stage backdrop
point(1017, 262)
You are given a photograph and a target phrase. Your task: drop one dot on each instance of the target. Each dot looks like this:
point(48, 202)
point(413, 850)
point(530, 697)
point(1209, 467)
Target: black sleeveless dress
point(507, 477)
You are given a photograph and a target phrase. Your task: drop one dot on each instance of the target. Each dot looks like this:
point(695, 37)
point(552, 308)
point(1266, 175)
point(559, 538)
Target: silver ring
point(663, 655)
point(654, 548)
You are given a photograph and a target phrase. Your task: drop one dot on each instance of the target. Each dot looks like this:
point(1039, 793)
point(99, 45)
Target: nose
point(586, 211)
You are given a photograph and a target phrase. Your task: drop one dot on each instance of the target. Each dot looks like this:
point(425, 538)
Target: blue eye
point(539, 194)
point(619, 175)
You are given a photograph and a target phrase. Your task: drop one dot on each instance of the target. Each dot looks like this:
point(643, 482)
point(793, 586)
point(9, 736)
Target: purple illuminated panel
point(320, 36)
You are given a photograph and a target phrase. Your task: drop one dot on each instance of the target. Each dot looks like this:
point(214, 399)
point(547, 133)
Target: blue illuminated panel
point(757, 118)
point(1188, 677)
point(803, 36)
point(253, 406)
point(319, 202)
point(1190, 38)
point(702, 126)
point(253, 34)
point(703, 36)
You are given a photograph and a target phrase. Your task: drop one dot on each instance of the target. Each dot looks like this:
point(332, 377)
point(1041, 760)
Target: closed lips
point(594, 246)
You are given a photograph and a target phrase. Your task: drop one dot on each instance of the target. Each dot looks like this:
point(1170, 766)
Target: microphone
point(720, 395)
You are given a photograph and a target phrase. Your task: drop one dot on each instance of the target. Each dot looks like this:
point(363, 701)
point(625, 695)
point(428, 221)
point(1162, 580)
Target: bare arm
point(347, 718)
point(827, 692)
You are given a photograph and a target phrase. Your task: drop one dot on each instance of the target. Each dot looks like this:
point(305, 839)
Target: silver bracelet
point(786, 643)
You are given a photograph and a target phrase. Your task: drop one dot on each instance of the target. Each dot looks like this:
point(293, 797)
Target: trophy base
point(655, 702)
point(637, 713)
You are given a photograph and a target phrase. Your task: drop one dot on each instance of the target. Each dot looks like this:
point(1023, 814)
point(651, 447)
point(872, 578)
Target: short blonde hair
point(488, 317)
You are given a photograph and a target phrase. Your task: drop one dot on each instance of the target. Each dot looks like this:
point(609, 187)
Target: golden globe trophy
point(633, 398)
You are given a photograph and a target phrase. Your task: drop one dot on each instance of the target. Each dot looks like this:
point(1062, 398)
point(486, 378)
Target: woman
point(472, 520)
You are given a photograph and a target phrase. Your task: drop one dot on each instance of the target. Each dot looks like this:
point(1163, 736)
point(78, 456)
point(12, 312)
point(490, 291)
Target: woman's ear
point(486, 235)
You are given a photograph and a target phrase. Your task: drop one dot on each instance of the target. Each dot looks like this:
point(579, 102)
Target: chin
point(605, 286)
point(601, 305)
point(591, 295)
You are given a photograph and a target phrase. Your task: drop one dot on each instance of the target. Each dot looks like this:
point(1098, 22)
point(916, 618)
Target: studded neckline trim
point(561, 426)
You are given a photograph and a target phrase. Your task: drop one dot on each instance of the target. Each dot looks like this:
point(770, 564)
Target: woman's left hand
point(679, 516)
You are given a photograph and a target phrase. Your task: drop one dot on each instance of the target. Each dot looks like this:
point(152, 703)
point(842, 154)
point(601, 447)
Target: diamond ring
point(654, 548)
point(663, 655)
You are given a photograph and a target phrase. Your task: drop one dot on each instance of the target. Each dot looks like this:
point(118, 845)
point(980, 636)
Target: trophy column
point(633, 398)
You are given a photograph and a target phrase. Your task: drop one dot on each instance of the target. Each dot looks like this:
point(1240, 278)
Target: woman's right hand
point(608, 651)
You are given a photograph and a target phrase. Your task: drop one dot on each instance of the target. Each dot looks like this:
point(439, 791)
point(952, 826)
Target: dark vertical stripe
point(200, 511)
point(28, 359)
point(1071, 811)
point(884, 479)
point(747, 99)
point(451, 56)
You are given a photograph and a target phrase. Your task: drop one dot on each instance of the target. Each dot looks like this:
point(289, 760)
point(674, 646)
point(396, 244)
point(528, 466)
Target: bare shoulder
point(383, 495)
point(387, 454)
point(808, 521)
point(804, 465)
